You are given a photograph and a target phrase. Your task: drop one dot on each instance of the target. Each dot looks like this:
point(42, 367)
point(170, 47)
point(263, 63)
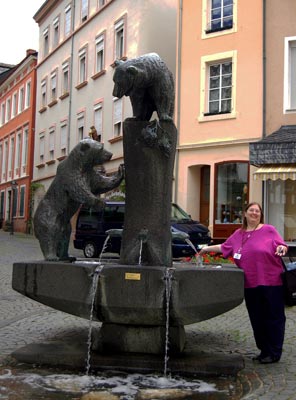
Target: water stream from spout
point(140, 252)
point(168, 287)
point(199, 260)
point(104, 248)
point(93, 291)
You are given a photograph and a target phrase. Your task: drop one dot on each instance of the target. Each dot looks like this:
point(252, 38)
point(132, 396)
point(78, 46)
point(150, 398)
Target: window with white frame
point(51, 142)
point(45, 42)
point(56, 31)
point(41, 148)
point(4, 160)
point(21, 100)
point(53, 86)
point(13, 106)
point(17, 156)
point(2, 113)
point(22, 201)
point(65, 78)
point(25, 150)
point(84, 10)
point(290, 75)
point(14, 202)
point(43, 93)
point(100, 63)
point(2, 194)
point(98, 118)
point(119, 39)
point(68, 20)
point(218, 86)
point(10, 156)
point(8, 109)
point(80, 126)
point(117, 117)
point(82, 65)
point(1, 155)
point(221, 15)
point(28, 94)
point(63, 137)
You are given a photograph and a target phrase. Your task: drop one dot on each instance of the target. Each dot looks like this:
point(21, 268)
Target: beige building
point(79, 41)
point(236, 85)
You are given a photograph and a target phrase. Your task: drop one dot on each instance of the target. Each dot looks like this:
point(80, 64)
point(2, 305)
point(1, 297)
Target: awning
point(275, 172)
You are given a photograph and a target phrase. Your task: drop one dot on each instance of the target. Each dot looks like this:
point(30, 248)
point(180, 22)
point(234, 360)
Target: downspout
point(179, 51)
point(264, 194)
point(71, 76)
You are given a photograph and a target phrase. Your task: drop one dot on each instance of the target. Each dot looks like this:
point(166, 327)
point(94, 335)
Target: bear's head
point(124, 79)
point(89, 153)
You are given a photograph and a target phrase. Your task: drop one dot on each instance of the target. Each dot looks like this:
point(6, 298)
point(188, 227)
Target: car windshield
point(178, 214)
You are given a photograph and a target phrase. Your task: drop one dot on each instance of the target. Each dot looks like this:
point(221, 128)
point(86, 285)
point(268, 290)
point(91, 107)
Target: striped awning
point(275, 172)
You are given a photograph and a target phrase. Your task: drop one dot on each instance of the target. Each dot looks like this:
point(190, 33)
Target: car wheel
point(90, 250)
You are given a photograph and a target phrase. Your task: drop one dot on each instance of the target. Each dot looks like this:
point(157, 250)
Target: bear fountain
point(143, 307)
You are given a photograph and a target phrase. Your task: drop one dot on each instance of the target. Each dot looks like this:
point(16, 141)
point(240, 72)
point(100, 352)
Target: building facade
point(79, 42)
point(233, 89)
point(17, 130)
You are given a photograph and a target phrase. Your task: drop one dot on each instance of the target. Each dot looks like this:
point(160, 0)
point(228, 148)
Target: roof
point(277, 148)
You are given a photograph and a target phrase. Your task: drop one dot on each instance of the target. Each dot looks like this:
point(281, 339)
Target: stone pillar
point(149, 155)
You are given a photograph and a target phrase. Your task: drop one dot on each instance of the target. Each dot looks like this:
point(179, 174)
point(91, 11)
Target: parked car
point(91, 227)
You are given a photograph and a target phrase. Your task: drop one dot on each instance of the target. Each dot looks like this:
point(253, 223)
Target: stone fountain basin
point(133, 295)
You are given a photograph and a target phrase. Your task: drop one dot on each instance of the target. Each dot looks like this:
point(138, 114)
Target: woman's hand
point(281, 250)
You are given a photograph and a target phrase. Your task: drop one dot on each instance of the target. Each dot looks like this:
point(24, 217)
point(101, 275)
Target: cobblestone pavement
point(23, 321)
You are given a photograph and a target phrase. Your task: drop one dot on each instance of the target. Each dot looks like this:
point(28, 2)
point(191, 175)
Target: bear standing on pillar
point(149, 84)
point(76, 182)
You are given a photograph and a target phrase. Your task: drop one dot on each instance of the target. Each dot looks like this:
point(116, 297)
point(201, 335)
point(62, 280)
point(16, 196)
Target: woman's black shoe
point(268, 360)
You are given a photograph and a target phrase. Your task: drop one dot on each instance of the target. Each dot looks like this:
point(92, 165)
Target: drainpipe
point(179, 51)
point(71, 76)
point(264, 72)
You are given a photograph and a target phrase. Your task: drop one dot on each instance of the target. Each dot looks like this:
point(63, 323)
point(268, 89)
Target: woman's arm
point(216, 248)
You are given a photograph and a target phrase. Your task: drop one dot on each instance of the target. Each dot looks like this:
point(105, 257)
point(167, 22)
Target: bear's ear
point(132, 70)
point(117, 62)
point(84, 146)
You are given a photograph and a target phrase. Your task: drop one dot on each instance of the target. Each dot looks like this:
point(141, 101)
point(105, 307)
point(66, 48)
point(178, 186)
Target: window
point(117, 117)
point(80, 126)
point(220, 84)
point(2, 113)
point(218, 89)
point(101, 3)
point(17, 157)
point(4, 160)
point(64, 138)
point(119, 39)
point(68, 20)
point(53, 86)
point(56, 31)
point(13, 106)
point(98, 110)
point(28, 94)
point(84, 10)
point(2, 204)
point(45, 42)
point(8, 110)
point(43, 93)
point(21, 100)
point(51, 143)
point(232, 192)
point(290, 75)
point(41, 148)
point(1, 155)
point(99, 53)
point(25, 150)
point(82, 65)
point(22, 201)
point(221, 14)
point(14, 203)
point(10, 157)
point(65, 78)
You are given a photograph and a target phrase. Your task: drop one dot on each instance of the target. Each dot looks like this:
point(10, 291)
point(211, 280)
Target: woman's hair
point(253, 203)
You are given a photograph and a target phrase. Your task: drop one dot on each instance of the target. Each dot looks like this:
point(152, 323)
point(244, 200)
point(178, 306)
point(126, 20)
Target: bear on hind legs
point(76, 182)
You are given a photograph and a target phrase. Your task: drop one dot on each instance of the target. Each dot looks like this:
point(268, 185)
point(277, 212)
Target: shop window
point(231, 192)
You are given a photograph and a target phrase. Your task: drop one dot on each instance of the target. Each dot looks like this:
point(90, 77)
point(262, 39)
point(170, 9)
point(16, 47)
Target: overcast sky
point(18, 30)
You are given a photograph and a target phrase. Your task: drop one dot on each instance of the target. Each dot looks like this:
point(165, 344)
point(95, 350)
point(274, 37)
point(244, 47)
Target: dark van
point(92, 225)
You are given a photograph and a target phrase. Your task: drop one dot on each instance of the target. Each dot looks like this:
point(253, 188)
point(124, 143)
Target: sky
point(18, 30)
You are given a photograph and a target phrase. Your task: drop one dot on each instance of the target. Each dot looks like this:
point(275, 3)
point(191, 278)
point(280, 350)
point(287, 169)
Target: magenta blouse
point(258, 260)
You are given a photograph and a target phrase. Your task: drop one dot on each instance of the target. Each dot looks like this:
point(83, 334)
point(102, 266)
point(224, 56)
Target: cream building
point(79, 41)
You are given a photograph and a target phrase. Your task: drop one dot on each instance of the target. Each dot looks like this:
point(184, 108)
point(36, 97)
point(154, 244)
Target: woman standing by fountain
point(256, 248)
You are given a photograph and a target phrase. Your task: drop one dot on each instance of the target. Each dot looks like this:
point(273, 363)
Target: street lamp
point(13, 187)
